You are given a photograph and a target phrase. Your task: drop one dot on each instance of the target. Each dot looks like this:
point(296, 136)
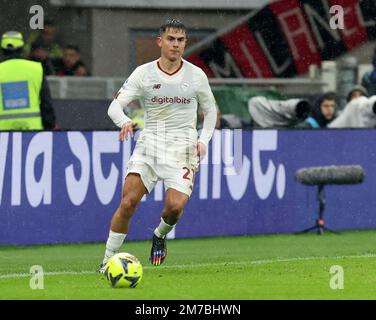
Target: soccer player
point(168, 148)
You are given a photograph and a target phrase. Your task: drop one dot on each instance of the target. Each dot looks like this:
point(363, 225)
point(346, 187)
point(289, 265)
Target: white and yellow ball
point(123, 270)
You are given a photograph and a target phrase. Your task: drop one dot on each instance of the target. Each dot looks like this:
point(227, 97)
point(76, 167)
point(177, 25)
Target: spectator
point(323, 112)
point(369, 78)
point(40, 54)
point(71, 64)
point(267, 113)
point(358, 113)
point(47, 38)
point(355, 92)
point(26, 101)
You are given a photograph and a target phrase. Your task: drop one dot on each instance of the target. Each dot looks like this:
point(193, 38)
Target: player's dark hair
point(172, 24)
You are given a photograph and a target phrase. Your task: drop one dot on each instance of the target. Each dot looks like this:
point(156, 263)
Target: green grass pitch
point(241, 268)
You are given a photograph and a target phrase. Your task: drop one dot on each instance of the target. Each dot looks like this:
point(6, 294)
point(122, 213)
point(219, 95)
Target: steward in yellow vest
point(25, 100)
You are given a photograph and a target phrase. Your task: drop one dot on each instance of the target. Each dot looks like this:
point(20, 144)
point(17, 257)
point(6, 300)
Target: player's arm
point(116, 113)
point(209, 109)
point(131, 90)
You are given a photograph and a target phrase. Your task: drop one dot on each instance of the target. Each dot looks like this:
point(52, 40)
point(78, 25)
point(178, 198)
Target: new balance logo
point(157, 86)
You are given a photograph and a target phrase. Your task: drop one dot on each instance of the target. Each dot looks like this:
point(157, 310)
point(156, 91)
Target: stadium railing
point(98, 88)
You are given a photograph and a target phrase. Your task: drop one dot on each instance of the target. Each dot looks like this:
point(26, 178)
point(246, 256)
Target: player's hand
point(201, 150)
point(126, 131)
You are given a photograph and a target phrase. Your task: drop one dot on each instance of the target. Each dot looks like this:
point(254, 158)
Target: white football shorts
point(167, 163)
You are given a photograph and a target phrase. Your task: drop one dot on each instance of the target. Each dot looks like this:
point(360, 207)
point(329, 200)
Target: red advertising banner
point(285, 37)
point(247, 53)
point(302, 45)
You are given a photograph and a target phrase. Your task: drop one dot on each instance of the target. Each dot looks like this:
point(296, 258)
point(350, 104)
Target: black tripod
point(320, 224)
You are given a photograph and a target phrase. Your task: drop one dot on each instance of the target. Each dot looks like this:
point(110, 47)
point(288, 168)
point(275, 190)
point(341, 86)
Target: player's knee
point(128, 206)
point(174, 208)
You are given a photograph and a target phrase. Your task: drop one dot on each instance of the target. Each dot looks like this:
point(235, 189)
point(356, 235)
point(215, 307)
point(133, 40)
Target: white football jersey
point(170, 101)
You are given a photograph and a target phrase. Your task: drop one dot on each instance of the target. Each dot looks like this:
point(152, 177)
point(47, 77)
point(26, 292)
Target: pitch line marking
point(200, 265)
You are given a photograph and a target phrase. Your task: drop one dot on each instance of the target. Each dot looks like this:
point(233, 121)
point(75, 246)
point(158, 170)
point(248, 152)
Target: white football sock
point(114, 242)
point(163, 229)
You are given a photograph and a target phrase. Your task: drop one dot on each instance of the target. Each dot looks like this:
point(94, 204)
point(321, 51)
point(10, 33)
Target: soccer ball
point(123, 270)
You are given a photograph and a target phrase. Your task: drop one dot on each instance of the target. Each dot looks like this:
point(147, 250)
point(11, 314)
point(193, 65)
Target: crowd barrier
point(84, 113)
point(63, 187)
